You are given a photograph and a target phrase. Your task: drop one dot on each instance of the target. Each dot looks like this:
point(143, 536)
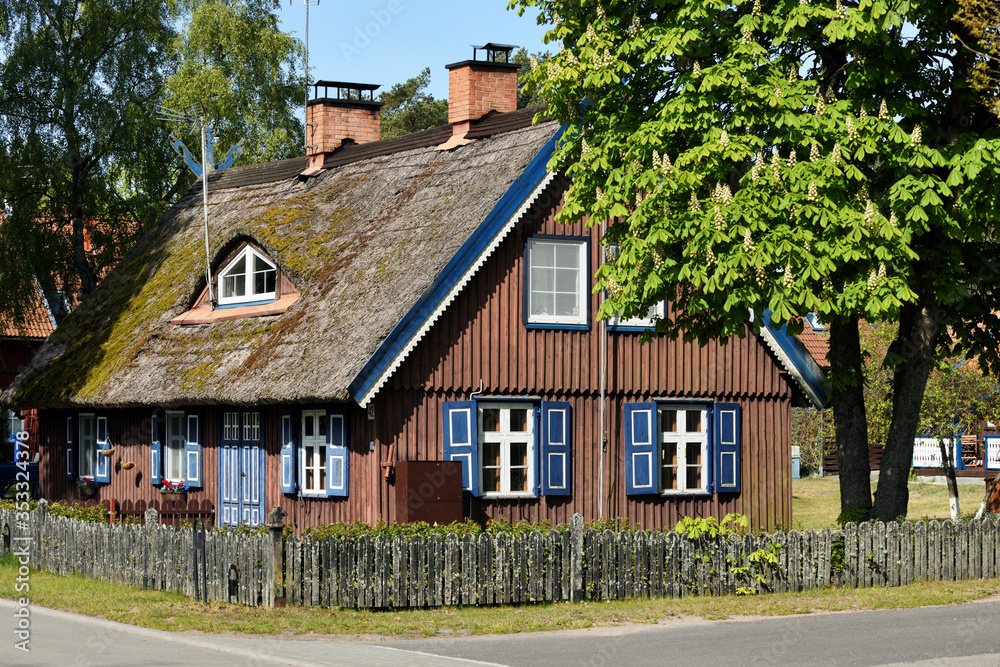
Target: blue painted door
point(241, 468)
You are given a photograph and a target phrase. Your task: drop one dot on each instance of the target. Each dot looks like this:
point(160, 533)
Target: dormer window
point(249, 278)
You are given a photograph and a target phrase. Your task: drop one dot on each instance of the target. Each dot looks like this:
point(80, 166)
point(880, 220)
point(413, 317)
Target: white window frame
point(686, 442)
point(249, 296)
point(173, 446)
point(87, 444)
point(314, 470)
point(652, 315)
point(504, 437)
point(582, 282)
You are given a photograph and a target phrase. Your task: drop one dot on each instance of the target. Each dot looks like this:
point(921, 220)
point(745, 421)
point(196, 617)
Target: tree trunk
point(986, 499)
point(919, 325)
point(849, 417)
point(948, 463)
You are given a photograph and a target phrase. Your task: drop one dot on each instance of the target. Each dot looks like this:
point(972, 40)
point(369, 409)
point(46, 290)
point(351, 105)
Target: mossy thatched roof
point(362, 241)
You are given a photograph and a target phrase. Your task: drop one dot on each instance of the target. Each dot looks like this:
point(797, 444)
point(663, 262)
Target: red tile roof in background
point(817, 343)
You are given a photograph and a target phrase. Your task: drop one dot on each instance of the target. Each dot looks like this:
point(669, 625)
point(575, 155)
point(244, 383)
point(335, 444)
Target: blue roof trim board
point(796, 360)
point(468, 257)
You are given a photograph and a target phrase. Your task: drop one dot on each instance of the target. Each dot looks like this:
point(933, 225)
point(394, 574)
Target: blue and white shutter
point(461, 435)
point(726, 443)
point(287, 454)
point(70, 449)
point(102, 464)
point(192, 451)
point(155, 457)
point(642, 460)
point(555, 449)
point(336, 456)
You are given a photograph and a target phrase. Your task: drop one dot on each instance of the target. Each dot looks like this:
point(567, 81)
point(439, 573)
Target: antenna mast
point(305, 104)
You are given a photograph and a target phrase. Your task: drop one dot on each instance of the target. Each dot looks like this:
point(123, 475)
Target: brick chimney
point(476, 87)
point(350, 116)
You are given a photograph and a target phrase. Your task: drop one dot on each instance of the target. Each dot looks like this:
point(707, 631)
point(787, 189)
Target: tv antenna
point(305, 106)
point(196, 118)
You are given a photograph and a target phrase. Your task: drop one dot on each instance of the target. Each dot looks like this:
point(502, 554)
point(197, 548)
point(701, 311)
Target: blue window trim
point(243, 305)
point(526, 285)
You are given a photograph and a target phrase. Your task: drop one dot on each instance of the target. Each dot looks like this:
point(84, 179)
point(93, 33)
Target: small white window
point(507, 441)
point(557, 282)
point(88, 447)
point(683, 448)
point(173, 450)
point(314, 451)
point(250, 277)
point(648, 322)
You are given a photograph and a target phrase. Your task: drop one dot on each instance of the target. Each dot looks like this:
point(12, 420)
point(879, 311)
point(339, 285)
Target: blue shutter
point(70, 450)
point(102, 464)
point(155, 460)
point(336, 456)
point(461, 432)
point(287, 454)
point(726, 444)
point(192, 452)
point(642, 455)
point(555, 448)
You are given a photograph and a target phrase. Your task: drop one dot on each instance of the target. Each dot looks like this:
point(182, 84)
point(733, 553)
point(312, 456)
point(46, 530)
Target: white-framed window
point(173, 447)
point(648, 321)
point(507, 449)
point(557, 282)
point(683, 442)
point(15, 424)
point(247, 278)
point(87, 446)
point(314, 451)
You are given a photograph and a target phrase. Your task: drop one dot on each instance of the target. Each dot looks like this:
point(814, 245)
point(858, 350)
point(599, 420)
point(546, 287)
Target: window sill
point(686, 494)
point(565, 326)
point(203, 314)
point(508, 496)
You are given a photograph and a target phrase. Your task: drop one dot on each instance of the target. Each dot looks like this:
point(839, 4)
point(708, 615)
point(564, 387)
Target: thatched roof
point(362, 242)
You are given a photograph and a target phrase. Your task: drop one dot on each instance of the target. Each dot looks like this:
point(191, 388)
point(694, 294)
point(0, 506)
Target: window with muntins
point(88, 446)
point(507, 441)
point(173, 448)
point(557, 289)
point(677, 448)
point(648, 321)
point(683, 449)
point(510, 448)
point(314, 451)
point(249, 278)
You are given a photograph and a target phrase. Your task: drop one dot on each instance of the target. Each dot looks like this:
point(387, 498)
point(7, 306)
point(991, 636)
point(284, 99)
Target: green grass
point(167, 611)
point(816, 501)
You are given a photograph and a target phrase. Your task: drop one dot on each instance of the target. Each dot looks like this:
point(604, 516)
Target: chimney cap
point(493, 51)
point(355, 92)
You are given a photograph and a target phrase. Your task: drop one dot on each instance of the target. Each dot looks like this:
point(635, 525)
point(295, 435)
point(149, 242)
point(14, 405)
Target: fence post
point(41, 517)
point(276, 526)
point(576, 558)
point(151, 518)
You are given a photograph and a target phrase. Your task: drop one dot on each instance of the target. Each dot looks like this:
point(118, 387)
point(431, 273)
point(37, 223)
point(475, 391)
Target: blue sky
point(389, 41)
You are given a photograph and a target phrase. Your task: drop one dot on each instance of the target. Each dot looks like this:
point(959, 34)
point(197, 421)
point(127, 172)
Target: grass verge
point(816, 501)
point(166, 611)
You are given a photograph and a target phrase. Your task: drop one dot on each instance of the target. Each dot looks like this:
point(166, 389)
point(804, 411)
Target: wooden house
point(412, 299)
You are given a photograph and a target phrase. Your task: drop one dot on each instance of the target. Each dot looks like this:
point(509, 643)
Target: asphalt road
point(966, 634)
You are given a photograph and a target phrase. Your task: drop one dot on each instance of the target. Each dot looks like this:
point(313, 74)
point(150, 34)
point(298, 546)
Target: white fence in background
point(927, 452)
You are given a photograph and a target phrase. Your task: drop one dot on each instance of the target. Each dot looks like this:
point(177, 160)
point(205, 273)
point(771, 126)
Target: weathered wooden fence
point(239, 567)
point(514, 569)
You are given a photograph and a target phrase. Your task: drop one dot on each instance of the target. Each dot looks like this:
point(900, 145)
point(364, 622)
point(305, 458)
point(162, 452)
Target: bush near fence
point(493, 569)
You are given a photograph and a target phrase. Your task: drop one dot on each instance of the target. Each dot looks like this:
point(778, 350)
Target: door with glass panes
point(241, 468)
